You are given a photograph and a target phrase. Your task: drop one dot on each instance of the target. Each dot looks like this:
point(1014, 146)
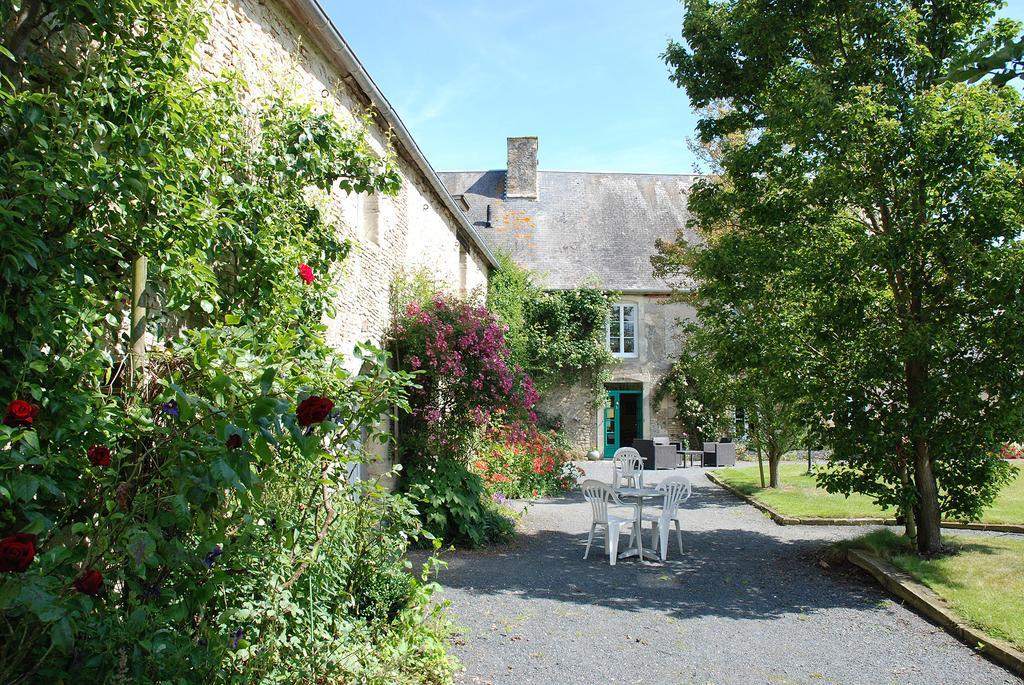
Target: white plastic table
point(638, 494)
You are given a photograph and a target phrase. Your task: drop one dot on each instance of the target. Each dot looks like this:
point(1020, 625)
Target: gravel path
point(746, 603)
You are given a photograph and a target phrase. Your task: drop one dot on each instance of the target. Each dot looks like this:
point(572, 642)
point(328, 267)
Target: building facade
point(291, 44)
point(596, 229)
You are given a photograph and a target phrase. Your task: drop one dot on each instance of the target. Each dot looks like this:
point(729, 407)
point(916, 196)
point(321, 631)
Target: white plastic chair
point(676, 490)
point(600, 495)
point(627, 467)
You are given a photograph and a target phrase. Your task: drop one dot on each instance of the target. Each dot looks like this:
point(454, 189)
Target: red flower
point(17, 552)
point(313, 409)
point(306, 273)
point(234, 441)
point(20, 413)
point(90, 582)
point(99, 455)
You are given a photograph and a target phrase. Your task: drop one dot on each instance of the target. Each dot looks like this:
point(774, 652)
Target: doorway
point(623, 419)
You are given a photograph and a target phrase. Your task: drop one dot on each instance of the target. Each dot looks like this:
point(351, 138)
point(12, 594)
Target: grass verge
point(799, 496)
point(982, 579)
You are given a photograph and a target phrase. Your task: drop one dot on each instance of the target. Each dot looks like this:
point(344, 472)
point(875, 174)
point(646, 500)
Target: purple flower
point(212, 556)
point(236, 637)
point(499, 497)
point(170, 408)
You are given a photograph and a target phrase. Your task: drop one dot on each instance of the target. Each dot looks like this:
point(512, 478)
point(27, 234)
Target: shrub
point(461, 361)
point(519, 461)
point(186, 516)
point(1011, 450)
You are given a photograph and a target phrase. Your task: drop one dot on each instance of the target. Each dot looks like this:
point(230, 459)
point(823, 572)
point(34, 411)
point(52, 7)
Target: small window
point(463, 269)
point(369, 217)
point(622, 330)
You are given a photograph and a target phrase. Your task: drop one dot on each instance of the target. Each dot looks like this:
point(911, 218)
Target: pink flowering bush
point(465, 383)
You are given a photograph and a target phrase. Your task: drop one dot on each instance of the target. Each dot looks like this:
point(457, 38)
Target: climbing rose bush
point(465, 382)
point(459, 352)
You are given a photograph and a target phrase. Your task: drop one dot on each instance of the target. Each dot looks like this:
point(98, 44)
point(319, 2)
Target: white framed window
point(621, 331)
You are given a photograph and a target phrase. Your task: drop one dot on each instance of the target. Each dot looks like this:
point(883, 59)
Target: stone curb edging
point(925, 602)
point(783, 520)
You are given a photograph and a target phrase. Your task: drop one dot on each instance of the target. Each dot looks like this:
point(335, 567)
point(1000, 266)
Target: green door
point(623, 419)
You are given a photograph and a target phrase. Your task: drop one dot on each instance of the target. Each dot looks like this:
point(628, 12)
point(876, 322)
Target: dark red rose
point(313, 409)
point(20, 413)
point(99, 455)
point(17, 552)
point(90, 582)
point(234, 441)
point(306, 273)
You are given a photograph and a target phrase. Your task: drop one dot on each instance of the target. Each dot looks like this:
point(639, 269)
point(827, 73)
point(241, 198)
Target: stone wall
point(657, 345)
point(263, 42)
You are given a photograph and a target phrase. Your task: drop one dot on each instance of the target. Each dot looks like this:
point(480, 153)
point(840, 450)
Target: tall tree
point(863, 240)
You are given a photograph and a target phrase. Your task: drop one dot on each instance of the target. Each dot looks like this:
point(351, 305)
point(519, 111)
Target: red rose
point(234, 441)
point(99, 455)
point(20, 413)
point(306, 273)
point(313, 409)
point(90, 582)
point(17, 552)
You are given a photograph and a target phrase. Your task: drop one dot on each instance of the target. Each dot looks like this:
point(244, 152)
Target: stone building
point(573, 228)
point(292, 44)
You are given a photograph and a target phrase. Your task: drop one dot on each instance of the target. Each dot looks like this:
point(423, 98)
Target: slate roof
point(584, 228)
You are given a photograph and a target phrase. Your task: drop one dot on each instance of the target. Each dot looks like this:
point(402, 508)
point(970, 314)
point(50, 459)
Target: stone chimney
point(521, 178)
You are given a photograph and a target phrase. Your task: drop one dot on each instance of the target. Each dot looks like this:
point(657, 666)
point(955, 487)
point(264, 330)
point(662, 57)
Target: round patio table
point(639, 495)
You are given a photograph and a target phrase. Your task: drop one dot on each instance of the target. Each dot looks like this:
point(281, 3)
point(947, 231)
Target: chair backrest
point(628, 460)
point(677, 490)
point(598, 494)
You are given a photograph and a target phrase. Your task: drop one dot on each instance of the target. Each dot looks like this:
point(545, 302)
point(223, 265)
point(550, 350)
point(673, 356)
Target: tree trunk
point(929, 532)
point(774, 457)
point(760, 464)
point(909, 517)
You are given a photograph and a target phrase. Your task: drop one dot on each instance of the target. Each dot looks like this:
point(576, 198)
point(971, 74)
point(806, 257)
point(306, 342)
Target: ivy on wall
point(558, 337)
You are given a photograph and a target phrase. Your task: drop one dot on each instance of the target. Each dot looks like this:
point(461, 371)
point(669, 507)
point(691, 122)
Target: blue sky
point(584, 76)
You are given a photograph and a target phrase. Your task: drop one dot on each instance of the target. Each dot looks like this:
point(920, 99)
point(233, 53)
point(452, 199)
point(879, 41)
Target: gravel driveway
point(746, 603)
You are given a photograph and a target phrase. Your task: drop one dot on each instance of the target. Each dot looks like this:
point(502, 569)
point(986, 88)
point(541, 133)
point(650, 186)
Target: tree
point(863, 240)
point(702, 393)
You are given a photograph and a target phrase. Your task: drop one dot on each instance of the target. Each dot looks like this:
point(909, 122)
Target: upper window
point(622, 330)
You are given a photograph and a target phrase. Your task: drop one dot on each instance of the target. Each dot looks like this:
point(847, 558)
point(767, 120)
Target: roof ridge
point(575, 171)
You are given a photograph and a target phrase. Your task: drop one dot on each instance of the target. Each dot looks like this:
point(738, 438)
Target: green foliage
point(862, 244)
point(231, 545)
point(703, 394)
point(1000, 54)
point(558, 336)
point(454, 504)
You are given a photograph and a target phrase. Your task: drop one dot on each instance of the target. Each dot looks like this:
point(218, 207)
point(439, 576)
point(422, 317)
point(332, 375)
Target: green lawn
point(983, 583)
point(799, 497)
